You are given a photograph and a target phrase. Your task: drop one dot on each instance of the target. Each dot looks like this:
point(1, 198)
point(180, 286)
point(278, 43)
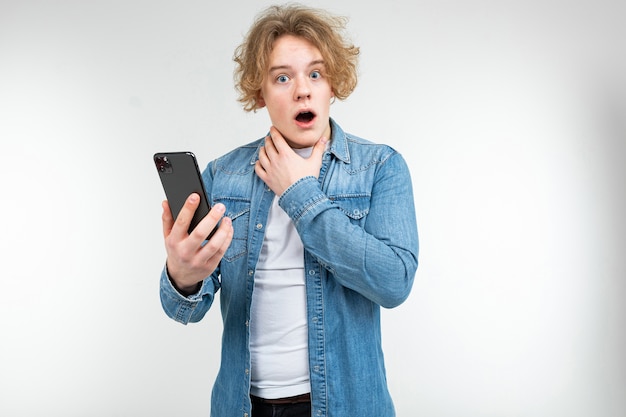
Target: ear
point(260, 101)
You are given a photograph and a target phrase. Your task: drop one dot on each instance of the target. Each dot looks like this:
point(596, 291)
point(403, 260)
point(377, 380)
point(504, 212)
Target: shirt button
point(259, 226)
point(245, 414)
point(250, 272)
point(312, 272)
point(247, 371)
point(316, 368)
point(247, 323)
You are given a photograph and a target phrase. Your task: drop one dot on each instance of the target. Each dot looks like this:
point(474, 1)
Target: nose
point(303, 89)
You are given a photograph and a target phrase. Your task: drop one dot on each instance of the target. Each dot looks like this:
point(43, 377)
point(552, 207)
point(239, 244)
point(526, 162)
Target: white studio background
point(511, 115)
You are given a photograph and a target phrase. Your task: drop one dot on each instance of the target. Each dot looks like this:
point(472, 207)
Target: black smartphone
point(180, 176)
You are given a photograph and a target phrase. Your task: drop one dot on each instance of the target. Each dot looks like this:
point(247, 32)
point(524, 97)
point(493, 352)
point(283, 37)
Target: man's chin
point(301, 141)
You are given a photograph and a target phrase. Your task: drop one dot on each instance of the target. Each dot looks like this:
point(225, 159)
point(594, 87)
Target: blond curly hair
point(323, 30)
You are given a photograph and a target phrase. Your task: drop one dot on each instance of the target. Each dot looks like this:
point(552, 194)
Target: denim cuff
point(177, 306)
point(302, 197)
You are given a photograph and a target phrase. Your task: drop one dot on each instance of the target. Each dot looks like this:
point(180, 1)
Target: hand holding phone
point(180, 177)
point(190, 257)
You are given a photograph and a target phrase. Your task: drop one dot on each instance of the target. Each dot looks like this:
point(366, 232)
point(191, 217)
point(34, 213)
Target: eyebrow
point(284, 67)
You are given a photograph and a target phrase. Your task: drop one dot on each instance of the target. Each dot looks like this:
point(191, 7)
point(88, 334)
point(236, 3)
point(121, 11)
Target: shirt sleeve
point(377, 257)
point(186, 309)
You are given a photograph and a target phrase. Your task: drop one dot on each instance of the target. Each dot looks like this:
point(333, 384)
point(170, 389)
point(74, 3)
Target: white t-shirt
point(278, 325)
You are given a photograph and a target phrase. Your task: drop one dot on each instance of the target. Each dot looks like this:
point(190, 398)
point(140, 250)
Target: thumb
point(319, 148)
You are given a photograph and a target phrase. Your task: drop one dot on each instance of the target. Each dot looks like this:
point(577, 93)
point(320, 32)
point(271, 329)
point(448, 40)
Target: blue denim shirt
point(357, 224)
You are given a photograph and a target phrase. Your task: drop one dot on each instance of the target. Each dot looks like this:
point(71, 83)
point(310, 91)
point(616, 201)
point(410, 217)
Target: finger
point(278, 141)
point(262, 164)
point(319, 148)
point(183, 220)
point(269, 148)
point(260, 170)
point(207, 224)
point(215, 249)
point(167, 218)
point(263, 158)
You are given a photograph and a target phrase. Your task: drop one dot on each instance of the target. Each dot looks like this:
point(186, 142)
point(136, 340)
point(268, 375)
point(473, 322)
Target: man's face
point(296, 92)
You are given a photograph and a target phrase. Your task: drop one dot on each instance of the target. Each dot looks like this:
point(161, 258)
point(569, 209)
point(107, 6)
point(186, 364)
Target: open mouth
point(305, 117)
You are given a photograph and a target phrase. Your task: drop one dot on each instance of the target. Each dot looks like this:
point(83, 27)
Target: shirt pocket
point(355, 206)
point(238, 210)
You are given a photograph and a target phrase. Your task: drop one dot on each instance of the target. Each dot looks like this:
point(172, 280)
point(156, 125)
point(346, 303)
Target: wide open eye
point(315, 75)
point(282, 79)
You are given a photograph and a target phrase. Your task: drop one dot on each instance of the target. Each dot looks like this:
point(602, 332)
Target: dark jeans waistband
point(297, 399)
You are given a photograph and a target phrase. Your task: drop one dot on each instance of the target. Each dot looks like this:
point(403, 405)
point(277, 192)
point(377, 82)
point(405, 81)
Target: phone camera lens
point(163, 164)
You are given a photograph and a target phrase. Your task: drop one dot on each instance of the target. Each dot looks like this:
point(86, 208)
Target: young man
point(317, 232)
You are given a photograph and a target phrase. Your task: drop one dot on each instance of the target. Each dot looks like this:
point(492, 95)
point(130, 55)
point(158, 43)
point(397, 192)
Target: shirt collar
point(338, 144)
